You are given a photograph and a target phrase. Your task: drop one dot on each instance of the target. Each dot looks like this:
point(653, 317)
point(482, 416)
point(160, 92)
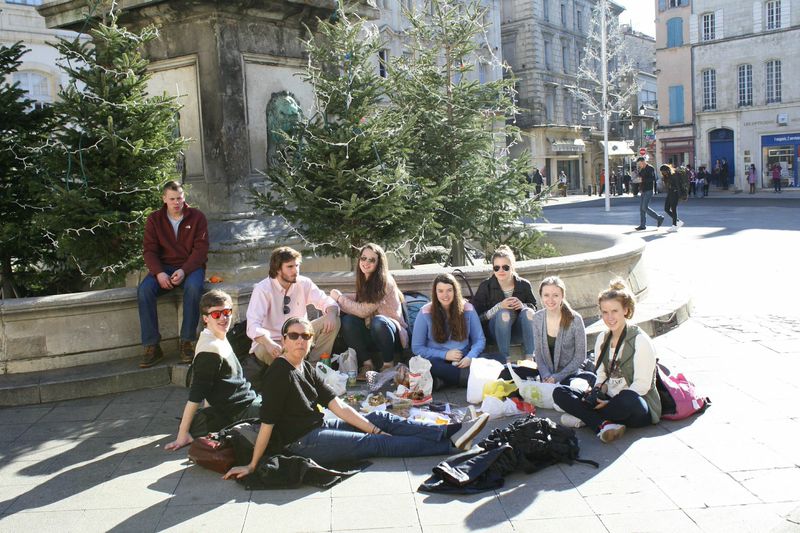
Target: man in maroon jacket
point(175, 252)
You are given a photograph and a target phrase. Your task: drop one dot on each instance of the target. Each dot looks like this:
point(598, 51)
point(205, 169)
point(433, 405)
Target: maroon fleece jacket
point(189, 251)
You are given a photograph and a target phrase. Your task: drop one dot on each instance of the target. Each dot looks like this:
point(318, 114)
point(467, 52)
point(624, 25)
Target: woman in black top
point(505, 304)
point(291, 422)
point(217, 377)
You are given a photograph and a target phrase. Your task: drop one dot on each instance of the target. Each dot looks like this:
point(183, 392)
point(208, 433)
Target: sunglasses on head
point(293, 335)
point(286, 301)
point(497, 268)
point(370, 260)
point(223, 312)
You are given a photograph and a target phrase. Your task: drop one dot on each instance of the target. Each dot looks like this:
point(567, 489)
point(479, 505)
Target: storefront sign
point(773, 140)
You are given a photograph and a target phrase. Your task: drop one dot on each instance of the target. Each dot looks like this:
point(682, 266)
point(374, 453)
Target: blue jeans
point(149, 291)
point(452, 375)
point(337, 441)
point(626, 408)
point(508, 326)
point(644, 208)
point(378, 342)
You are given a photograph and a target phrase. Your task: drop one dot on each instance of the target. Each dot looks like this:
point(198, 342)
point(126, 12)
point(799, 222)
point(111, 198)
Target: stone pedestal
point(224, 60)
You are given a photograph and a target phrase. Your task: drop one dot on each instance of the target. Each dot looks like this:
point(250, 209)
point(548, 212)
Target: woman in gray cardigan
point(559, 336)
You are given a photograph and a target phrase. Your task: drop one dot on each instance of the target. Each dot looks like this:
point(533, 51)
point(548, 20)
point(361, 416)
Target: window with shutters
point(565, 57)
point(773, 75)
point(579, 20)
point(709, 89)
point(548, 54)
point(674, 32)
point(745, 85)
point(36, 85)
point(676, 104)
point(546, 10)
point(774, 15)
point(709, 27)
point(564, 15)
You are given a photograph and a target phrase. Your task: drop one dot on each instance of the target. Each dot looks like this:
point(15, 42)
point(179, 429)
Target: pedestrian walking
point(752, 176)
point(776, 177)
point(648, 175)
point(674, 187)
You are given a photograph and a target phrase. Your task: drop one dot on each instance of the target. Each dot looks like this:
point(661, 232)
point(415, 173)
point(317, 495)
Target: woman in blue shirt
point(448, 333)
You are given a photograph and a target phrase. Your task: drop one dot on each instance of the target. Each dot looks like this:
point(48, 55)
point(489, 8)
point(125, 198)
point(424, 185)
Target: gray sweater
point(570, 347)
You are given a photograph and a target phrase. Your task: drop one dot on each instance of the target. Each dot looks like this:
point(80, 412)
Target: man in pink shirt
point(283, 295)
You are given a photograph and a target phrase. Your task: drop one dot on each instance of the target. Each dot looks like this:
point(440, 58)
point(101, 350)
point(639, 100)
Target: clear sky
point(640, 13)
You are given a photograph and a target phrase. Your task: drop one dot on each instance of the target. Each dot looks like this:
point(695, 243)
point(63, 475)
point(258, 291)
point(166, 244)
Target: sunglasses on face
point(370, 260)
point(223, 312)
point(293, 335)
point(286, 301)
point(505, 268)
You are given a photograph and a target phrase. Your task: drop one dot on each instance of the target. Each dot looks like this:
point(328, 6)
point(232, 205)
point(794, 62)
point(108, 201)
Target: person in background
point(752, 177)
point(648, 176)
point(673, 188)
point(505, 304)
point(625, 394)
point(373, 323)
point(776, 177)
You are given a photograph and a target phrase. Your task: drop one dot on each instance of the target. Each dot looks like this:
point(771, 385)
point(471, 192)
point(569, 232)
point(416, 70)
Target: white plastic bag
point(337, 381)
point(481, 372)
point(535, 392)
point(347, 361)
point(497, 408)
point(419, 375)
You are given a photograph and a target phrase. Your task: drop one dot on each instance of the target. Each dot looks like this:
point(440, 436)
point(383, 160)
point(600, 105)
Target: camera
point(591, 397)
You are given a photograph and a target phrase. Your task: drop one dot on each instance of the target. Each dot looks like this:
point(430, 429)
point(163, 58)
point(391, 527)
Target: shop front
point(566, 158)
point(783, 150)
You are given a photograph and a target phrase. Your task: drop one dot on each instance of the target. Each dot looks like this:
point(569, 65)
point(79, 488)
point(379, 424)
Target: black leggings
point(671, 207)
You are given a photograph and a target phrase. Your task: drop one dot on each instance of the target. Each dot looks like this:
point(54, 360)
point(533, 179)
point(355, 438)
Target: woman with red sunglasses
point(217, 377)
point(505, 304)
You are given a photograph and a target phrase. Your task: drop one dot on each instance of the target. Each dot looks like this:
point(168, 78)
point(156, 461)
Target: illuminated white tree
point(606, 76)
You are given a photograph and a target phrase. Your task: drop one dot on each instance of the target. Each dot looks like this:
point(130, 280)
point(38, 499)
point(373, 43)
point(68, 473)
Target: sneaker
point(567, 420)
point(152, 355)
point(680, 223)
point(639, 228)
point(660, 221)
point(463, 439)
point(610, 431)
point(672, 228)
point(187, 352)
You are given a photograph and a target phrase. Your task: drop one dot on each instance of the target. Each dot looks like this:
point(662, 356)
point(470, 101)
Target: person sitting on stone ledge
point(175, 252)
point(285, 294)
point(373, 326)
point(217, 377)
point(626, 372)
point(292, 424)
point(505, 304)
point(560, 336)
point(448, 332)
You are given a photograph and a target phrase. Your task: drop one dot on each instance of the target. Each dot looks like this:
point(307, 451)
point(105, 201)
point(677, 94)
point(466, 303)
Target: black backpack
point(536, 444)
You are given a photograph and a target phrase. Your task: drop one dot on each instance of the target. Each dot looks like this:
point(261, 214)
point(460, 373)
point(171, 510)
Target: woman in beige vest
point(625, 394)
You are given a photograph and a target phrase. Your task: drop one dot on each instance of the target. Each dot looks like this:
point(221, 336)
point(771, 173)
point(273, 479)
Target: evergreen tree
point(23, 127)
point(114, 148)
point(341, 180)
point(459, 131)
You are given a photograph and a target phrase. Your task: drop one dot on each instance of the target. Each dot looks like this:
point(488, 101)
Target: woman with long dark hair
point(373, 322)
point(448, 333)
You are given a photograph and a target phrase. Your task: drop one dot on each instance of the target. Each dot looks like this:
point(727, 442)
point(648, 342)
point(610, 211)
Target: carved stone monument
point(226, 61)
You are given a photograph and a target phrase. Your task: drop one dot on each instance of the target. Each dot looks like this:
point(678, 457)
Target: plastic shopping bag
point(481, 372)
point(497, 408)
point(419, 375)
point(499, 388)
point(535, 392)
point(347, 361)
point(337, 381)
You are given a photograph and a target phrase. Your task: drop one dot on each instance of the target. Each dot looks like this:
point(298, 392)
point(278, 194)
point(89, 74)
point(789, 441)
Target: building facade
point(675, 131)
point(38, 74)
point(543, 42)
point(746, 91)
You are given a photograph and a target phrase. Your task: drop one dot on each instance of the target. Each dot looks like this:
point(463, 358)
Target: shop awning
point(617, 148)
point(569, 145)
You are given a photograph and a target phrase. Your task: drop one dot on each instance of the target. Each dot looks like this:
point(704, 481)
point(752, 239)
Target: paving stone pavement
point(98, 464)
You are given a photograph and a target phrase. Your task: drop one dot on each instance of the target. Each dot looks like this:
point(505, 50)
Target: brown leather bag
point(212, 453)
